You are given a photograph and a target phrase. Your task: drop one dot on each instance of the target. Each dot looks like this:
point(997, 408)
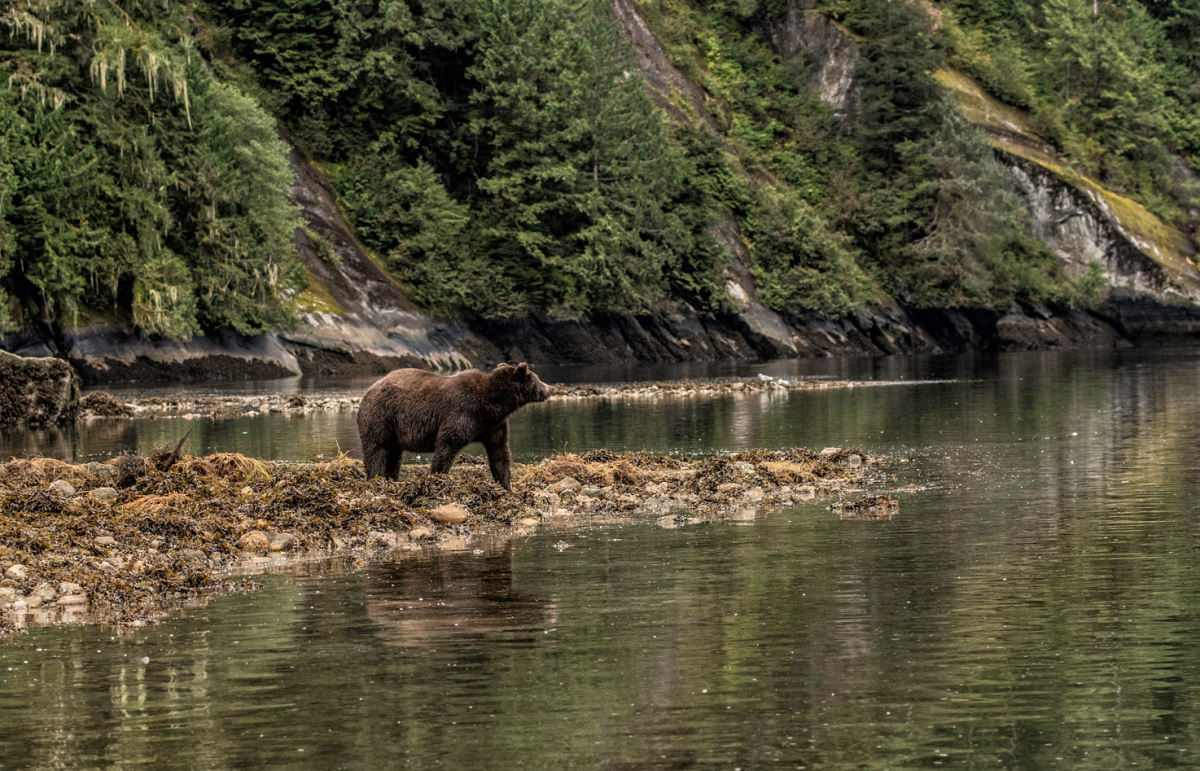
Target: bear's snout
point(544, 392)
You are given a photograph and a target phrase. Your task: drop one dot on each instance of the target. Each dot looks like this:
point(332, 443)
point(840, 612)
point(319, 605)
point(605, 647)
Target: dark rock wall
point(37, 392)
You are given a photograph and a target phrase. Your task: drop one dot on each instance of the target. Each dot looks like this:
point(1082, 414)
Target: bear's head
point(527, 385)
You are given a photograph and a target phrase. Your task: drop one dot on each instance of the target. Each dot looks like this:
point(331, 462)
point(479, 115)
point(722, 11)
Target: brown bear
point(417, 411)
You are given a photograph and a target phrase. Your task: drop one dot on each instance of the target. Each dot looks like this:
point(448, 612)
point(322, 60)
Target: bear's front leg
point(499, 456)
point(445, 449)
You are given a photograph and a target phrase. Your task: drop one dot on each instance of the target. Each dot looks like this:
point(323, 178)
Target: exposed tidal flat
point(118, 542)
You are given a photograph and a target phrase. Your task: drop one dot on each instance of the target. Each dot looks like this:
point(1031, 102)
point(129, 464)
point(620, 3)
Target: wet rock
point(530, 521)
point(853, 461)
point(106, 541)
point(34, 602)
point(8, 595)
point(453, 543)
point(193, 555)
point(283, 542)
point(806, 492)
point(566, 484)
point(67, 588)
point(450, 514)
point(254, 542)
point(382, 538)
point(46, 592)
point(37, 392)
point(73, 601)
point(655, 488)
point(63, 488)
point(830, 451)
point(754, 494)
point(17, 572)
point(418, 533)
point(19, 607)
point(107, 567)
point(546, 500)
point(103, 494)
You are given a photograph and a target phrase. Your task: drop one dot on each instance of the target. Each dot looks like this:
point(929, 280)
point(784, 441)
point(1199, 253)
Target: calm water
point(1036, 606)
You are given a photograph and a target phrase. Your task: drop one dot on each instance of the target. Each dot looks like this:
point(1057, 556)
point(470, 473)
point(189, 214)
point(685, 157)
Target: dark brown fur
point(416, 411)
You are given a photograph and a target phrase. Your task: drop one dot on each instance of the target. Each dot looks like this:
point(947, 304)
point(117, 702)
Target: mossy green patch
point(1012, 132)
point(315, 299)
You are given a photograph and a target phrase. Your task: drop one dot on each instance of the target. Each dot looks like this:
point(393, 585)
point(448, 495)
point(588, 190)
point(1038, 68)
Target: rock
point(7, 595)
point(17, 572)
point(546, 500)
point(63, 488)
point(530, 521)
point(18, 607)
point(106, 540)
point(193, 555)
point(103, 494)
point(46, 592)
point(806, 492)
point(591, 491)
point(72, 600)
point(37, 392)
point(67, 588)
point(384, 539)
point(247, 490)
point(566, 484)
point(754, 494)
point(283, 542)
point(156, 543)
point(417, 533)
point(453, 543)
point(853, 461)
point(655, 488)
point(830, 451)
point(450, 514)
point(255, 542)
point(107, 567)
point(100, 470)
point(33, 601)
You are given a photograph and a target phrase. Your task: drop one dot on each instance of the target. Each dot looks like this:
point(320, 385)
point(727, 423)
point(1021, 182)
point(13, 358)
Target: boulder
point(37, 392)
point(63, 488)
point(103, 494)
point(255, 542)
point(450, 514)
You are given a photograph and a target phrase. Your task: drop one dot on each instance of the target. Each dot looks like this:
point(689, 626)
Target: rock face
point(828, 50)
point(37, 392)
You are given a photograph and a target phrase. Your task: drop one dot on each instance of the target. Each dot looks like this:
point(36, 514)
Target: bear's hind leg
point(391, 468)
point(499, 456)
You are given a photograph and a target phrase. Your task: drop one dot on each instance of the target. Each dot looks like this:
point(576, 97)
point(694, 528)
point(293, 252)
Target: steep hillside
point(584, 182)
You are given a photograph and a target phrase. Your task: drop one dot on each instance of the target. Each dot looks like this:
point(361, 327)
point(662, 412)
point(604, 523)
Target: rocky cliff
point(355, 319)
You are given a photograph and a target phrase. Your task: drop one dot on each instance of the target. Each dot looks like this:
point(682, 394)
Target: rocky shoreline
point(100, 404)
point(120, 542)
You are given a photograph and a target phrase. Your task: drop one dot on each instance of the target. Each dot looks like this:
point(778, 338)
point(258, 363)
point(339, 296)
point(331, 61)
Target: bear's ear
point(522, 370)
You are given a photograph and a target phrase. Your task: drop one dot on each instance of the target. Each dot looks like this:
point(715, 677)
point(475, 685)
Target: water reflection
point(444, 599)
point(1037, 605)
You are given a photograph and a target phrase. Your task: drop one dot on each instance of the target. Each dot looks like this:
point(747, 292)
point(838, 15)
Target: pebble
point(105, 540)
point(450, 514)
point(17, 571)
point(529, 521)
point(830, 451)
point(63, 488)
point(107, 567)
point(283, 542)
point(72, 600)
point(418, 533)
point(193, 555)
point(247, 490)
point(566, 483)
point(156, 543)
point(255, 542)
point(66, 587)
point(103, 494)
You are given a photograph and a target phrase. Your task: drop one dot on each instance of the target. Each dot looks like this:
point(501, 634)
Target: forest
point(504, 159)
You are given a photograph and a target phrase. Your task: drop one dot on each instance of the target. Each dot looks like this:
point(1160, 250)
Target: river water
point(1035, 605)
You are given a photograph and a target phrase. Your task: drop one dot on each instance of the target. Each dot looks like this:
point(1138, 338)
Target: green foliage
point(131, 181)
